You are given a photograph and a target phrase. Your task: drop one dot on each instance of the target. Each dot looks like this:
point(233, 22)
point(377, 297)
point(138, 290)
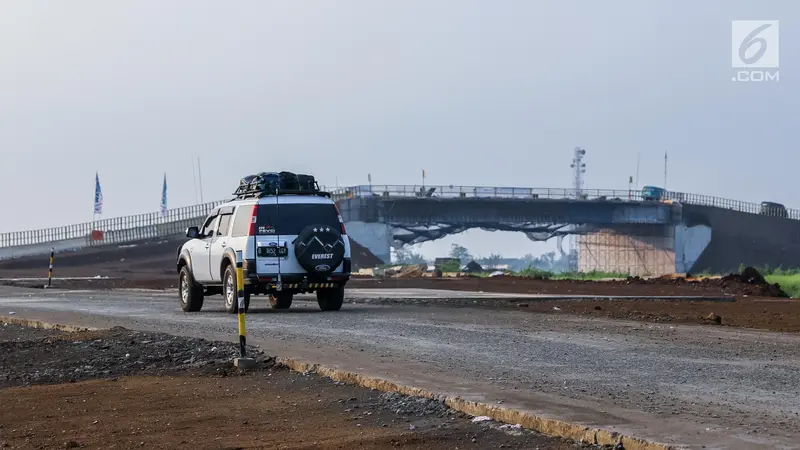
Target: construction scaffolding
point(638, 250)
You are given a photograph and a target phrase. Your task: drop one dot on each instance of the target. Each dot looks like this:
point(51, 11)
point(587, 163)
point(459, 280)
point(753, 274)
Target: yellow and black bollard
point(50, 270)
point(242, 362)
point(241, 309)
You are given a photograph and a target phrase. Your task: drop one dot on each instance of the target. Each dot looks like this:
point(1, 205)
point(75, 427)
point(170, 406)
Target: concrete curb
point(61, 279)
point(544, 425)
point(44, 325)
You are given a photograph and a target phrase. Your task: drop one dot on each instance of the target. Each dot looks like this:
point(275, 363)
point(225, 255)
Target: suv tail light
point(253, 220)
point(341, 221)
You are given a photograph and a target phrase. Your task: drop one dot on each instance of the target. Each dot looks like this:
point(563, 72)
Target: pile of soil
point(749, 282)
point(627, 287)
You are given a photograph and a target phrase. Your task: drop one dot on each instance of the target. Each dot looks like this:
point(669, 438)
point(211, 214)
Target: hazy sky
point(475, 92)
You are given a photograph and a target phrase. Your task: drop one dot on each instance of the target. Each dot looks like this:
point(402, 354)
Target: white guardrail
point(152, 225)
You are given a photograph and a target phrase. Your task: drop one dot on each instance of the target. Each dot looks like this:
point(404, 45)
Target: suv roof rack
point(248, 189)
point(246, 192)
point(272, 183)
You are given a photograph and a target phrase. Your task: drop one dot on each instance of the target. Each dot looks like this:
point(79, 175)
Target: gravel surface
point(70, 357)
point(13, 332)
point(721, 381)
point(404, 405)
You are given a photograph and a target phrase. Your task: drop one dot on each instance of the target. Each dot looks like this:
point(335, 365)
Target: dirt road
point(766, 313)
point(201, 405)
point(151, 265)
point(692, 385)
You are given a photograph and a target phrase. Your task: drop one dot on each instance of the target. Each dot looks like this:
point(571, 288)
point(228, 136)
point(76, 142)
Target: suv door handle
point(224, 243)
point(208, 245)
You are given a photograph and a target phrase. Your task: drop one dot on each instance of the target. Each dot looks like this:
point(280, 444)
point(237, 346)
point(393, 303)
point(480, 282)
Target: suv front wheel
point(230, 292)
point(330, 299)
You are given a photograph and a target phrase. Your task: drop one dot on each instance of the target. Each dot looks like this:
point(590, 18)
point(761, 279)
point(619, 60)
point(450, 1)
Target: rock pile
point(403, 405)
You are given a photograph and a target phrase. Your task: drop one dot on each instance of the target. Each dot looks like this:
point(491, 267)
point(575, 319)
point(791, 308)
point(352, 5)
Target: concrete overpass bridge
point(618, 230)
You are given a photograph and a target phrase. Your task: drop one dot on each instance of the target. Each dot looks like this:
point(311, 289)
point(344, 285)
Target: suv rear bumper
point(299, 282)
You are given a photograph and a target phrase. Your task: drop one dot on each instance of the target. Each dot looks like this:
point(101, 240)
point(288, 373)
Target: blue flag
point(98, 195)
point(164, 197)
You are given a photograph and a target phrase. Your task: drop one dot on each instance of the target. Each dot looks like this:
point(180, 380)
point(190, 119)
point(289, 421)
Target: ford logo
point(322, 268)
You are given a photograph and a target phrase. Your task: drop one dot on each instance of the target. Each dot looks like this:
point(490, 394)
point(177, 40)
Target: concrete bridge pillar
point(376, 236)
point(690, 243)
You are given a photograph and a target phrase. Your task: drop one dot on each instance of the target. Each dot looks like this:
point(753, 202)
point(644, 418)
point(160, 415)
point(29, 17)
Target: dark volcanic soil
point(728, 286)
point(69, 357)
point(760, 313)
point(111, 397)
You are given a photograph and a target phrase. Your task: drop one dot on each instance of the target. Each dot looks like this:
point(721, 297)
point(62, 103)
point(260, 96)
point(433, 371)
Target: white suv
point(292, 241)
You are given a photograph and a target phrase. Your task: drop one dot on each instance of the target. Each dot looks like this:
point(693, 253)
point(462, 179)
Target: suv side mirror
point(192, 232)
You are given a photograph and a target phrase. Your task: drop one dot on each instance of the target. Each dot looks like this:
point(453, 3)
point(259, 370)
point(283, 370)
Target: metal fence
point(114, 230)
point(735, 205)
point(144, 226)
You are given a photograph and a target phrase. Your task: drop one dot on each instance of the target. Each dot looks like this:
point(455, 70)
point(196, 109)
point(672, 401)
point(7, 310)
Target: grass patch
point(593, 275)
point(790, 283)
point(451, 266)
point(589, 276)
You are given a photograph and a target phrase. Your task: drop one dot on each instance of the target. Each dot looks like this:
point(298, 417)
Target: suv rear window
point(293, 218)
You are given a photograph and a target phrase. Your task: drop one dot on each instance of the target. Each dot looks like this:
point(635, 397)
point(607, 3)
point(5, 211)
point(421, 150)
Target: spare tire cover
point(319, 249)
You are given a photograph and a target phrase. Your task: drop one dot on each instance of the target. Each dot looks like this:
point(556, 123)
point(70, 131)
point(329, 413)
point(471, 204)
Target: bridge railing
point(114, 230)
point(551, 193)
point(436, 191)
point(143, 226)
point(735, 205)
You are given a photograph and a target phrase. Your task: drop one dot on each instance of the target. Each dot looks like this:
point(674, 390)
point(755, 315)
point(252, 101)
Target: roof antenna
point(200, 179)
point(279, 285)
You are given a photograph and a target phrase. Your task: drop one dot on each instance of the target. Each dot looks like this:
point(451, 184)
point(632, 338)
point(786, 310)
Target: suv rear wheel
point(281, 300)
point(230, 292)
point(330, 299)
point(191, 293)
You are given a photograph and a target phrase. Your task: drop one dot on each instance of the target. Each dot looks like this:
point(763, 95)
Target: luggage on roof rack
point(289, 181)
point(244, 183)
point(266, 181)
point(278, 183)
point(307, 182)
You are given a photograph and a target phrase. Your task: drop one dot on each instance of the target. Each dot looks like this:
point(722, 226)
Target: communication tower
point(578, 168)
